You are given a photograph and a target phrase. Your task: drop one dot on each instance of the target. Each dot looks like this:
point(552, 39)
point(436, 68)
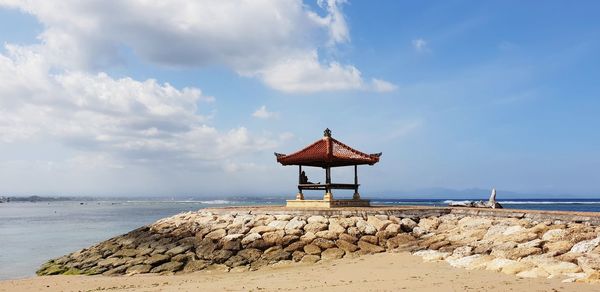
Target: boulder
point(533, 273)
point(310, 259)
point(315, 227)
point(273, 237)
point(365, 227)
point(336, 228)
point(516, 267)
point(278, 224)
point(346, 222)
point(178, 250)
point(370, 239)
point(205, 248)
point(590, 263)
point(498, 264)
point(317, 219)
point(138, 269)
point(346, 246)
point(297, 255)
point(379, 224)
point(250, 238)
point(323, 243)
point(472, 262)
point(348, 238)
point(232, 241)
point(407, 224)
point(220, 256)
point(275, 254)
point(157, 259)
point(332, 253)
point(168, 267)
point(585, 246)
point(553, 235)
point(236, 261)
point(312, 249)
point(555, 248)
point(250, 254)
point(217, 234)
point(521, 252)
point(429, 224)
point(262, 229)
point(431, 255)
point(295, 223)
point(368, 248)
point(327, 234)
point(298, 245)
point(393, 228)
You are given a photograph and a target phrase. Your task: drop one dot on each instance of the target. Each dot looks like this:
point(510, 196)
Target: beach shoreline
point(379, 272)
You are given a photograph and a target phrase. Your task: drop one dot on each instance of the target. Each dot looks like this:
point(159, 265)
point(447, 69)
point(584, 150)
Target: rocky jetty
point(527, 245)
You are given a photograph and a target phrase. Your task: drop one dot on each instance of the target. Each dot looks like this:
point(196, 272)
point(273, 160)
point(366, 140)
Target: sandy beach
point(379, 272)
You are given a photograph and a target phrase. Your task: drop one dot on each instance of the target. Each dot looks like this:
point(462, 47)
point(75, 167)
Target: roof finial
point(327, 133)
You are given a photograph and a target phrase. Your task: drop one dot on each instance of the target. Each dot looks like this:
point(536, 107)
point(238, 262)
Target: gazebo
point(327, 153)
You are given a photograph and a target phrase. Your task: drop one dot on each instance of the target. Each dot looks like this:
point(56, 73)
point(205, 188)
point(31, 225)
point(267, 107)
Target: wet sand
point(379, 272)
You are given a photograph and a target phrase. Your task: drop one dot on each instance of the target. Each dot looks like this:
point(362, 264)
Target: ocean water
point(32, 233)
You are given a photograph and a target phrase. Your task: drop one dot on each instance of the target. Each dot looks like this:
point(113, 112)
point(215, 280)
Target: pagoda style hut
point(327, 153)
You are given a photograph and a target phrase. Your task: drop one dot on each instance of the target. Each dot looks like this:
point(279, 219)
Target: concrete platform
point(327, 203)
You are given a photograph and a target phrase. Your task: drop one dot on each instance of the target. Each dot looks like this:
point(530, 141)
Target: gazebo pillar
point(299, 195)
point(328, 195)
point(356, 195)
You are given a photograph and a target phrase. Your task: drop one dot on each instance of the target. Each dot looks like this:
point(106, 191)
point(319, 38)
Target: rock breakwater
point(239, 240)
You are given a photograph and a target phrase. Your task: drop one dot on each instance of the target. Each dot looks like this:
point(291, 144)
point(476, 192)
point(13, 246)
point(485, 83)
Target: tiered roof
point(328, 152)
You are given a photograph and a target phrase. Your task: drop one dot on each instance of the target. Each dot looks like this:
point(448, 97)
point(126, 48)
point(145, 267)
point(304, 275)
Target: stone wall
point(239, 239)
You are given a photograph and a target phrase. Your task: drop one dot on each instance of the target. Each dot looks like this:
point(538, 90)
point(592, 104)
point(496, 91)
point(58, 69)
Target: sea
point(33, 232)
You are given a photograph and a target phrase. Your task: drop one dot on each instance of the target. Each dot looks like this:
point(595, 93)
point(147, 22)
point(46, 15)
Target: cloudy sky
point(128, 98)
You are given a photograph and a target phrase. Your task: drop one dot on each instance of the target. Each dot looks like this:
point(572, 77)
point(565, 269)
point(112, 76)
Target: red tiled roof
point(328, 152)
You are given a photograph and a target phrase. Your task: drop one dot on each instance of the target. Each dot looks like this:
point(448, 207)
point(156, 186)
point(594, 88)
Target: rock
point(365, 227)
point(311, 259)
point(112, 262)
point(521, 252)
point(283, 217)
point(369, 248)
point(235, 261)
point(533, 273)
point(239, 269)
point(315, 227)
point(115, 271)
point(585, 246)
point(194, 265)
point(332, 254)
point(297, 255)
point(472, 262)
point(418, 231)
point(262, 229)
point(553, 235)
point(399, 240)
point(295, 223)
point(273, 237)
point(513, 230)
point(178, 250)
point(323, 243)
point(353, 231)
point(288, 239)
point(327, 234)
point(278, 224)
point(346, 222)
point(220, 256)
point(462, 251)
point(429, 224)
point(532, 243)
point(126, 253)
point(312, 249)
point(205, 248)
point(317, 219)
point(431, 255)
point(589, 263)
point(157, 259)
point(217, 234)
point(308, 237)
point(370, 239)
point(557, 247)
point(217, 268)
point(558, 268)
point(138, 269)
point(379, 224)
point(298, 245)
point(469, 223)
point(232, 241)
point(346, 246)
point(250, 238)
point(336, 228)
point(168, 267)
point(250, 254)
point(348, 238)
point(393, 228)
point(498, 264)
point(407, 224)
point(516, 267)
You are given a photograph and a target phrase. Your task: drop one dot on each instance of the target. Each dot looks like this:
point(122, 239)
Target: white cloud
point(263, 113)
point(382, 85)
point(420, 45)
point(253, 38)
point(126, 119)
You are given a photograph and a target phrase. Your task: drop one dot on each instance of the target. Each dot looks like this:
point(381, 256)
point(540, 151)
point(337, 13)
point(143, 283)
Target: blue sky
point(192, 98)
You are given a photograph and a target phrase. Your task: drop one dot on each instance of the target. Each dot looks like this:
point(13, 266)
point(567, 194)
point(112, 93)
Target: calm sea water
point(32, 233)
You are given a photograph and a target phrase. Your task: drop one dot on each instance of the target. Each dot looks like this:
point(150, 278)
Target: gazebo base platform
point(327, 203)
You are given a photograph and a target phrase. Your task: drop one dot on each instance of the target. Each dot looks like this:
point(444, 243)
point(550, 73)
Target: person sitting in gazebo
point(304, 179)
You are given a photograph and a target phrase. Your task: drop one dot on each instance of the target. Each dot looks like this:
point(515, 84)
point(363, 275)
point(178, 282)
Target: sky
point(191, 98)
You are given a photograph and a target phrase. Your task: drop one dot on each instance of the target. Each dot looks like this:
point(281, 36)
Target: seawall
point(525, 243)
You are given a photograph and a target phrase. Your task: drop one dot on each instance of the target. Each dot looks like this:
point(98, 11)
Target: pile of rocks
point(239, 241)
point(202, 240)
point(523, 247)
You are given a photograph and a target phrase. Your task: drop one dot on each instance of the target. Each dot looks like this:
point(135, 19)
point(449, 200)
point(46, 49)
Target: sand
point(380, 272)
